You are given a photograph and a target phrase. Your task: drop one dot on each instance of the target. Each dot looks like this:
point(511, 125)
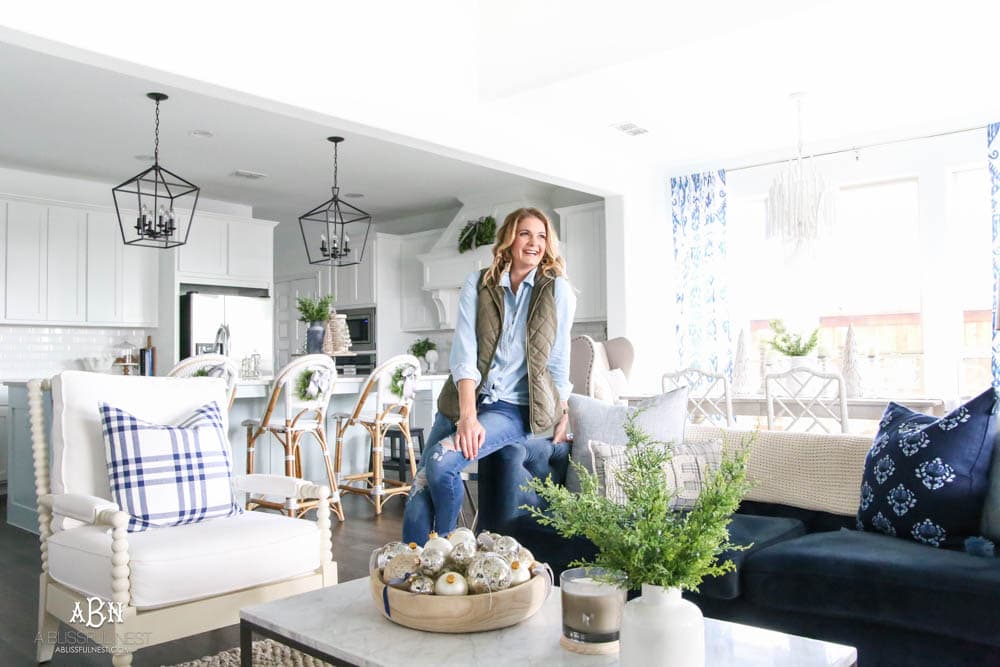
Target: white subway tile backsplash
point(30, 352)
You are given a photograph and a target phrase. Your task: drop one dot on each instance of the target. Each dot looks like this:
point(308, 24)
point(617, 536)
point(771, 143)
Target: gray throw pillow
point(991, 508)
point(663, 418)
point(685, 474)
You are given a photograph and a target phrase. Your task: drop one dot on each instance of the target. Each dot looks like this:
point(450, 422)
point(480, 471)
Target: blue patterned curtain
point(699, 219)
point(993, 154)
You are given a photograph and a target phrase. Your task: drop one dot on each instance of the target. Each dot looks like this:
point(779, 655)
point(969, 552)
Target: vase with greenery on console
point(796, 347)
point(426, 350)
point(314, 312)
point(658, 549)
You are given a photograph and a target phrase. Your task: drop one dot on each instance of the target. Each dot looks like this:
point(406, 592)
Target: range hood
point(445, 268)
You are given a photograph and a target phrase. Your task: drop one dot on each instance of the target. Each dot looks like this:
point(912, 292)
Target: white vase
point(662, 628)
point(431, 357)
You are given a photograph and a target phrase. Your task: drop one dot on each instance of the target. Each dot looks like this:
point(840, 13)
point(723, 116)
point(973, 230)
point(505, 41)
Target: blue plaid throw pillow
point(169, 475)
point(926, 477)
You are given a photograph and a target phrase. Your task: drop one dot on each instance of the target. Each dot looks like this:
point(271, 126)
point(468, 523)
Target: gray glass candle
point(591, 610)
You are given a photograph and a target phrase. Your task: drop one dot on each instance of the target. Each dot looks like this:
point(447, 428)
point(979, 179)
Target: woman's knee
point(443, 464)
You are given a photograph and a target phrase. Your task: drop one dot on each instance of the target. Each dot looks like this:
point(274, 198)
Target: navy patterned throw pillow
point(926, 477)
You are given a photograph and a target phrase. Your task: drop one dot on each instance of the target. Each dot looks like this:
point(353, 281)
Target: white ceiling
point(68, 118)
point(521, 85)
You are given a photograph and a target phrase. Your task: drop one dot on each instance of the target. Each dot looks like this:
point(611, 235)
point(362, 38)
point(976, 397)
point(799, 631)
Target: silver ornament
point(525, 556)
point(399, 567)
point(432, 561)
point(489, 573)
point(507, 547)
point(387, 552)
point(422, 585)
point(462, 555)
point(485, 541)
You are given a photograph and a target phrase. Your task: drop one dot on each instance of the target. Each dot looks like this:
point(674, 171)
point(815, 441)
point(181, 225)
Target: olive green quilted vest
point(543, 398)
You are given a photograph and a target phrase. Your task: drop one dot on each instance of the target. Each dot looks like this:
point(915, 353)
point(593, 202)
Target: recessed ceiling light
point(250, 175)
point(144, 158)
point(630, 128)
point(353, 195)
point(201, 134)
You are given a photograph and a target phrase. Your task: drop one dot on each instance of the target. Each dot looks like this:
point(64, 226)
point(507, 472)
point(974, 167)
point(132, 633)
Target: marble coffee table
point(341, 625)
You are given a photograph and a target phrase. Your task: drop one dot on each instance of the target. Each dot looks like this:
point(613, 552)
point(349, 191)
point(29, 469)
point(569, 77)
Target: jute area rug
point(266, 653)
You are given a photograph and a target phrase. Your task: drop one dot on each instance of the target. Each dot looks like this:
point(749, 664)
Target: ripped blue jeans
point(436, 497)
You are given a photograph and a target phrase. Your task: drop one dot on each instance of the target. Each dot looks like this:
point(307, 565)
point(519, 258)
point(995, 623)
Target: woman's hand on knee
point(469, 436)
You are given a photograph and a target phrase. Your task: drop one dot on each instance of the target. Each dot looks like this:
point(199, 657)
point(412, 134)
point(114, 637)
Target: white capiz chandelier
point(800, 206)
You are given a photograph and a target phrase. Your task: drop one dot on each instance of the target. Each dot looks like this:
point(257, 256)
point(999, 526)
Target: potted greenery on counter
point(315, 313)
point(789, 344)
point(658, 549)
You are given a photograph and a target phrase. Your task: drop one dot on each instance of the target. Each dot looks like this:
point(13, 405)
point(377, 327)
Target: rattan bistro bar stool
point(393, 384)
point(307, 384)
point(209, 365)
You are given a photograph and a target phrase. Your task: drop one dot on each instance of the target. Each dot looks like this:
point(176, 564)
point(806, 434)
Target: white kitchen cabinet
point(417, 311)
point(581, 230)
point(25, 268)
point(122, 280)
point(251, 250)
point(207, 249)
point(3, 441)
point(140, 285)
point(66, 263)
point(355, 285)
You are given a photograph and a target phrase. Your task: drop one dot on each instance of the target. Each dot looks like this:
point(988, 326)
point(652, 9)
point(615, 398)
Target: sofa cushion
point(168, 475)
point(758, 531)
point(926, 477)
point(78, 460)
point(662, 417)
point(685, 474)
point(182, 563)
point(813, 471)
point(872, 577)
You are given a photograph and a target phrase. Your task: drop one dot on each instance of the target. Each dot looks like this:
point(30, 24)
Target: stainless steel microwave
point(361, 326)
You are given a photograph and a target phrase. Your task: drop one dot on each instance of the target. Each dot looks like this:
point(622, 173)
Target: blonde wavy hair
point(552, 264)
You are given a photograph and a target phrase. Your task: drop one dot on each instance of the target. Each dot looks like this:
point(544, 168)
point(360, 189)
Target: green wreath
point(482, 231)
point(396, 386)
point(302, 386)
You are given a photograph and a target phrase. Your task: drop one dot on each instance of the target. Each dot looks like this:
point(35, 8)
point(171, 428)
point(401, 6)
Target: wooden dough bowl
point(461, 613)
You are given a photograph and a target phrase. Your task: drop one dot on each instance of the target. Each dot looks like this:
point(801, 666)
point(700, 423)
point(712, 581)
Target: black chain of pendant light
point(155, 192)
point(327, 228)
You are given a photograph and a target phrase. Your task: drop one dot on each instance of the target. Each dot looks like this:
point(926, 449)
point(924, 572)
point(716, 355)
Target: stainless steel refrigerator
point(237, 326)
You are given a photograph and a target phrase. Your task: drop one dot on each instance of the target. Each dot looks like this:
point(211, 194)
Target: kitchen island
point(251, 401)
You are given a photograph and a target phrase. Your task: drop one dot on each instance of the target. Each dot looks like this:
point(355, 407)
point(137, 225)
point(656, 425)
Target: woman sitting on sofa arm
point(509, 368)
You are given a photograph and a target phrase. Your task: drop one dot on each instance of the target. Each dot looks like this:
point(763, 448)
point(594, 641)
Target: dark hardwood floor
point(353, 542)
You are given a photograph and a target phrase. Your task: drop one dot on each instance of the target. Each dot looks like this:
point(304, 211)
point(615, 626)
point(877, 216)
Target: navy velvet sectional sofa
point(809, 571)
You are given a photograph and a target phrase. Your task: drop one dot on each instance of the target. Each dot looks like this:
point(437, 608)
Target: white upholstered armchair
point(169, 582)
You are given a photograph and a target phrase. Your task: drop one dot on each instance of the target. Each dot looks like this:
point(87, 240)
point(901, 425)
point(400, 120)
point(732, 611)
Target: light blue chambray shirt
point(507, 379)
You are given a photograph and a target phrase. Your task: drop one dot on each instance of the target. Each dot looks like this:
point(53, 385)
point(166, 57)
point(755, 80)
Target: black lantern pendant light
point(155, 222)
point(332, 230)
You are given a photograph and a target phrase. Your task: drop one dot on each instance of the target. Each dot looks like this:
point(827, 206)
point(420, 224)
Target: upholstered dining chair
point(166, 582)
point(808, 399)
point(592, 362)
point(379, 407)
point(709, 395)
point(209, 365)
point(300, 395)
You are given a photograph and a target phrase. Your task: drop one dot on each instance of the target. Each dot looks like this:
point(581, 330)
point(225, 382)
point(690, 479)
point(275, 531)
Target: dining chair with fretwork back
point(297, 407)
point(384, 402)
point(709, 395)
point(810, 399)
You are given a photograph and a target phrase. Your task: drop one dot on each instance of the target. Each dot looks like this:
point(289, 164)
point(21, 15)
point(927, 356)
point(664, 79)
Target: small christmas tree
point(852, 370)
point(336, 338)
